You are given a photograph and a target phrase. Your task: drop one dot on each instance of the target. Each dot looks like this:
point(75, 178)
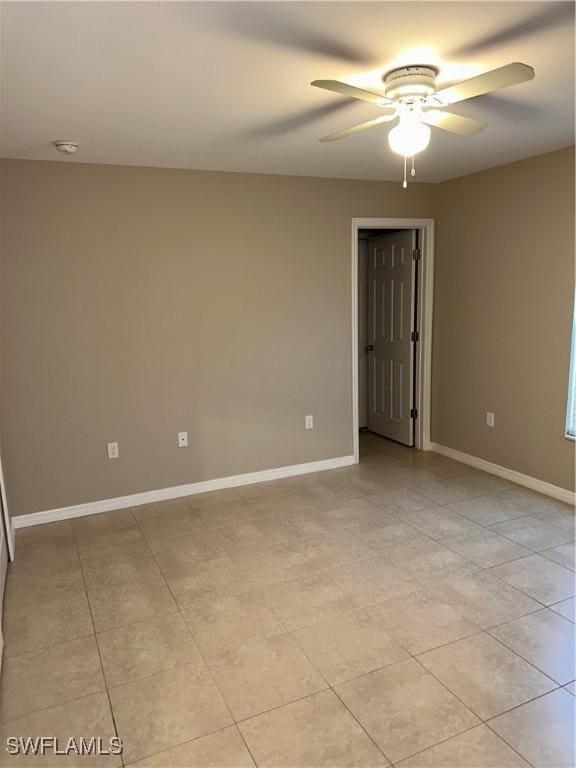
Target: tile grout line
point(523, 592)
point(106, 691)
point(533, 551)
point(161, 671)
point(488, 722)
point(52, 706)
point(346, 707)
point(202, 656)
point(427, 671)
point(40, 648)
point(180, 744)
point(288, 632)
point(378, 555)
point(487, 526)
point(487, 632)
point(331, 688)
point(415, 657)
point(519, 655)
point(361, 725)
point(443, 741)
point(482, 721)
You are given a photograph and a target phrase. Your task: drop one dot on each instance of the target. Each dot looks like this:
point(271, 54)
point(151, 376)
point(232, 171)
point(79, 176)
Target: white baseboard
point(562, 494)
point(147, 497)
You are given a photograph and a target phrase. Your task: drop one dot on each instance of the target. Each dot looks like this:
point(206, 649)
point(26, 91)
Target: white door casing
point(6, 552)
point(391, 319)
point(425, 228)
point(362, 333)
point(5, 520)
point(3, 569)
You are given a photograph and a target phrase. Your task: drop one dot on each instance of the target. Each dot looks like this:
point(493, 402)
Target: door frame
point(425, 302)
point(6, 521)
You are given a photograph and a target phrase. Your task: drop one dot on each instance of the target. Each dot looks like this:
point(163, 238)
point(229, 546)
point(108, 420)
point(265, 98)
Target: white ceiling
point(225, 86)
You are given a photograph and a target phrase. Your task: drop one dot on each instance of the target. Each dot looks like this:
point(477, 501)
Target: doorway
point(392, 273)
point(387, 319)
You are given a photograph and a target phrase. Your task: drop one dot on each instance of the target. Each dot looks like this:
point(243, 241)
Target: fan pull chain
point(404, 183)
point(413, 171)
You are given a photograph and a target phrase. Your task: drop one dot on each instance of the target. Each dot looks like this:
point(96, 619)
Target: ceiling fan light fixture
point(410, 93)
point(410, 136)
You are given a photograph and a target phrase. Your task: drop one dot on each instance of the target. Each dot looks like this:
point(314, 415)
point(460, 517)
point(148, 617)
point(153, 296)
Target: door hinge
point(414, 336)
point(413, 413)
point(416, 253)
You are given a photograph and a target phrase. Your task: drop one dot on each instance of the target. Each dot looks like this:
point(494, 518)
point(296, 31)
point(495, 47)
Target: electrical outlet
point(309, 422)
point(490, 419)
point(182, 439)
point(113, 452)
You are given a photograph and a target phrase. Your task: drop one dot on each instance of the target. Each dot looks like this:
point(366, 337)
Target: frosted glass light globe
point(410, 136)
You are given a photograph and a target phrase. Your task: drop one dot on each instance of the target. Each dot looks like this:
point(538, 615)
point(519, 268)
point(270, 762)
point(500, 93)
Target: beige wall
point(503, 311)
point(139, 302)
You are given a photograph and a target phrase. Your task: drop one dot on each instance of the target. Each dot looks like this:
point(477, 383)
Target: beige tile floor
point(408, 611)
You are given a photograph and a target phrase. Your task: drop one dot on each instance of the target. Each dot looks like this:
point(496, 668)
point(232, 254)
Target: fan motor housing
point(410, 83)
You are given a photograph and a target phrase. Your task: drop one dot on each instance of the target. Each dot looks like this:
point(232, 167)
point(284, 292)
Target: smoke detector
point(66, 147)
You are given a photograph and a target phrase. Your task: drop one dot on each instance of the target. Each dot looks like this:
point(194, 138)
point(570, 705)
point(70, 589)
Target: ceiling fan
point(410, 96)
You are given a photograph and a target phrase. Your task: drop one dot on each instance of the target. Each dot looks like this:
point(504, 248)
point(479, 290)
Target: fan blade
point(465, 126)
point(510, 74)
point(356, 128)
point(352, 91)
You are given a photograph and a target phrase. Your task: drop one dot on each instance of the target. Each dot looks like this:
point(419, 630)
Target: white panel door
point(391, 318)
